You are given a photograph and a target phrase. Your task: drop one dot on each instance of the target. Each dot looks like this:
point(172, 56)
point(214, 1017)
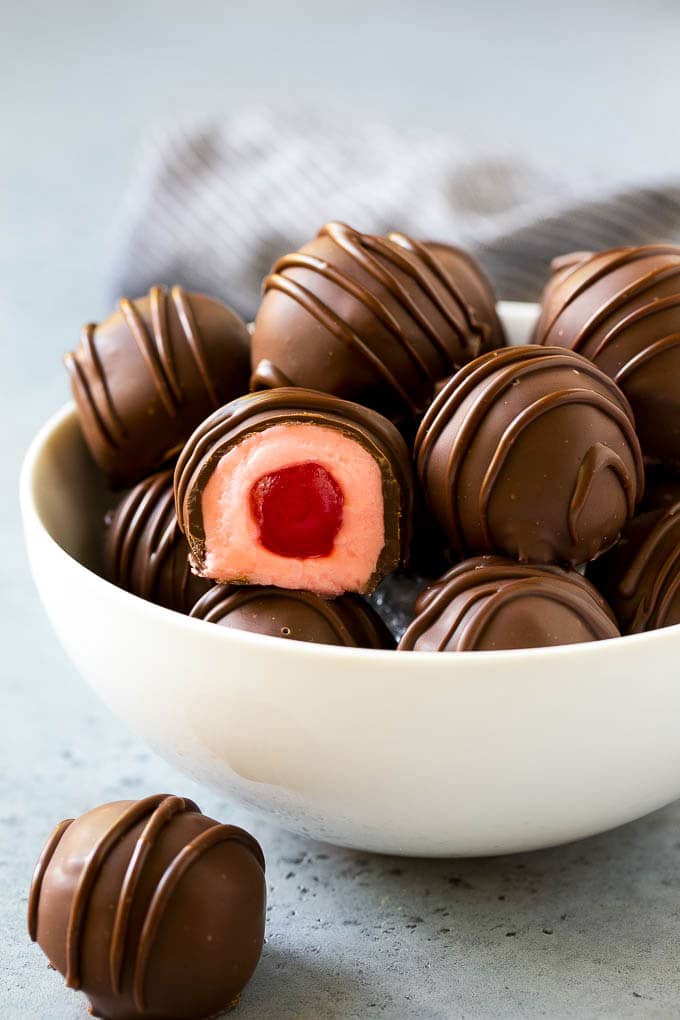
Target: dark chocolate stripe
point(104, 415)
point(594, 620)
point(93, 865)
point(650, 308)
point(172, 875)
point(39, 875)
point(598, 458)
point(160, 817)
point(340, 329)
point(665, 343)
point(531, 414)
point(152, 356)
point(634, 289)
point(191, 332)
point(158, 304)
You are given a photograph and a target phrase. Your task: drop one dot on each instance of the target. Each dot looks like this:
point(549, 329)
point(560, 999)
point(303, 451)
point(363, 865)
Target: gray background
point(587, 930)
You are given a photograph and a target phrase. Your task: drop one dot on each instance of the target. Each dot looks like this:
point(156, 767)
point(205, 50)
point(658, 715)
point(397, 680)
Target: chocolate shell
point(145, 377)
point(144, 550)
point(621, 309)
point(151, 909)
point(490, 603)
point(531, 452)
point(378, 320)
point(253, 415)
point(641, 576)
point(297, 615)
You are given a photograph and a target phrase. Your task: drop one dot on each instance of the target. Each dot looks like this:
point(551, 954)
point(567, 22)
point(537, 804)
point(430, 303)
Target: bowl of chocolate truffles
point(398, 565)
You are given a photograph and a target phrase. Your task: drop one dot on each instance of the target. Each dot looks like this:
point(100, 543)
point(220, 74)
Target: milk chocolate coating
point(144, 550)
point(488, 603)
point(531, 452)
point(257, 412)
point(146, 376)
point(621, 309)
point(298, 615)
point(641, 575)
point(150, 908)
point(378, 320)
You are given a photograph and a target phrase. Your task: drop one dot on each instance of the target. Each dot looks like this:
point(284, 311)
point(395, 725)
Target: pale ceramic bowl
point(413, 753)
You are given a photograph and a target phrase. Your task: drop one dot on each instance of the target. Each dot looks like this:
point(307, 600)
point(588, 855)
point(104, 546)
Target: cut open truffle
point(296, 489)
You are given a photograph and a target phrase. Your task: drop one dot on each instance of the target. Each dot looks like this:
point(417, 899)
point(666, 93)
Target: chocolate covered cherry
point(296, 489)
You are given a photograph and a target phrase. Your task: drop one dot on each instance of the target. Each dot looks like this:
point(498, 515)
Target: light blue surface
point(589, 930)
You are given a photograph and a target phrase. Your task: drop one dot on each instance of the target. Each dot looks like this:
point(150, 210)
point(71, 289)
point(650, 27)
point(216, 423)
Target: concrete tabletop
point(588, 930)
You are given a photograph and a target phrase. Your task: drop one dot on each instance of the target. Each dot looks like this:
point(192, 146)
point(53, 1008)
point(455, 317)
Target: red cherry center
point(298, 510)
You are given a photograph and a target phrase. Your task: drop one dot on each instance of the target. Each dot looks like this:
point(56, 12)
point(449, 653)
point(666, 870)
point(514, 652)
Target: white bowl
point(414, 753)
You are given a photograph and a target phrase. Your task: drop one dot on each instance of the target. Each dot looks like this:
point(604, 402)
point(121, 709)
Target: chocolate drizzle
point(401, 318)
point(507, 395)
point(185, 354)
point(296, 615)
point(621, 309)
point(39, 874)
point(258, 411)
point(129, 948)
point(145, 551)
point(641, 576)
point(490, 603)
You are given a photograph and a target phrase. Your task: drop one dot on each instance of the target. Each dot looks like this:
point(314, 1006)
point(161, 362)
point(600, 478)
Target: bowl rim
point(435, 661)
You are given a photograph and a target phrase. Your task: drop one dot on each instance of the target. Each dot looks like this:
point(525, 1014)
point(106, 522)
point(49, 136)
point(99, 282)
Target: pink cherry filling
point(298, 510)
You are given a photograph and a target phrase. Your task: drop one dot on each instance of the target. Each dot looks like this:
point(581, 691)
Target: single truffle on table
point(531, 452)
point(144, 550)
point(297, 615)
point(489, 603)
point(379, 320)
point(641, 575)
point(145, 377)
point(296, 489)
point(621, 309)
point(151, 909)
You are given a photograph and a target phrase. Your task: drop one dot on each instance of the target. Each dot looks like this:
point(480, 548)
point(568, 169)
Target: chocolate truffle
point(297, 615)
point(488, 603)
point(145, 377)
point(530, 451)
point(144, 550)
point(621, 309)
point(296, 489)
point(151, 909)
point(641, 575)
point(374, 319)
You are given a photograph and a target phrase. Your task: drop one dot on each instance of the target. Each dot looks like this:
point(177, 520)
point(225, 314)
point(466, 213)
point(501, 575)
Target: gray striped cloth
point(211, 206)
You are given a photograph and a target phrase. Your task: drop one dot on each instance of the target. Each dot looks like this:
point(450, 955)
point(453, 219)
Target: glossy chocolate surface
point(296, 615)
point(621, 309)
point(256, 412)
point(146, 376)
point(641, 575)
point(531, 452)
point(489, 603)
point(151, 909)
point(374, 319)
point(144, 550)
